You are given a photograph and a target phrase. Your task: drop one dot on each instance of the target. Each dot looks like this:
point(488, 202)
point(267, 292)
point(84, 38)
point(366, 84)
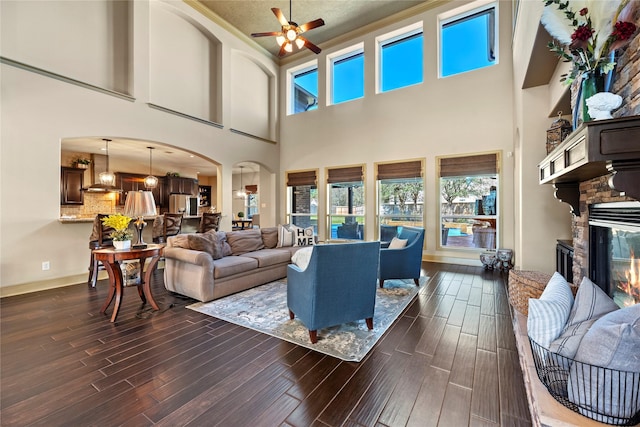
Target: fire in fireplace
point(614, 239)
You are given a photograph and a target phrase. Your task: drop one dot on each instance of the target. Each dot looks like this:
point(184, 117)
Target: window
point(303, 88)
point(400, 197)
point(346, 203)
point(400, 58)
point(347, 75)
point(302, 199)
point(469, 201)
point(468, 40)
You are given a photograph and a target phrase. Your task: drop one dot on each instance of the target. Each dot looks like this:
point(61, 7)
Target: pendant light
point(151, 181)
point(240, 193)
point(107, 178)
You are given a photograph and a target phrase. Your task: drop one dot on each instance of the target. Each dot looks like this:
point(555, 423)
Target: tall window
point(346, 202)
point(347, 75)
point(252, 200)
point(469, 201)
point(302, 199)
point(468, 40)
point(303, 89)
point(400, 58)
point(400, 196)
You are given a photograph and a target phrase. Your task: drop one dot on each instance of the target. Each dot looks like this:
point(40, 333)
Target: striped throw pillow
point(548, 314)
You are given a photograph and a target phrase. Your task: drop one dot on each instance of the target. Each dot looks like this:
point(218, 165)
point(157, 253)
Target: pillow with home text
point(302, 236)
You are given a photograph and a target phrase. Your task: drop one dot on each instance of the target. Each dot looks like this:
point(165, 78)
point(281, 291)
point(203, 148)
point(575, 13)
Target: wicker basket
point(524, 285)
point(602, 394)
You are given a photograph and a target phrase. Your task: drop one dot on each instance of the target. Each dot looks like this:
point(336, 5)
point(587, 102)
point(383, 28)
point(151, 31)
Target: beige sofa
point(196, 274)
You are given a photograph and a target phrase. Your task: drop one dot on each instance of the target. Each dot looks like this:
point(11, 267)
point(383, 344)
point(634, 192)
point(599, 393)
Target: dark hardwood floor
point(449, 360)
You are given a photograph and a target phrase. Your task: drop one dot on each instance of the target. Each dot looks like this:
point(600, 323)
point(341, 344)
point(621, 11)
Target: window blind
point(411, 169)
point(296, 179)
point(348, 174)
point(484, 164)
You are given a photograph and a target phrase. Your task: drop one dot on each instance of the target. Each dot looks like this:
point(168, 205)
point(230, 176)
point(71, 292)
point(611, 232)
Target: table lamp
point(138, 205)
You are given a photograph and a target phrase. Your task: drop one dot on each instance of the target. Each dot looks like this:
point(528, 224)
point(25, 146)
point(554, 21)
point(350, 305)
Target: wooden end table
point(111, 258)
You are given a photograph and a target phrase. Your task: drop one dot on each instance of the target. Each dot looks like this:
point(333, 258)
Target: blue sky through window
point(309, 82)
point(348, 78)
point(465, 45)
point(402, 63)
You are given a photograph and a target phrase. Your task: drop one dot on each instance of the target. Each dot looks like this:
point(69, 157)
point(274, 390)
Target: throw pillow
point(302, 236)
point(612, 342)
point(269, 237)
point(206, 243)
point(285, 236)
point(245, 241)
point(222, 238)
point(302, 257)
point(548, 315)
point(398, 243)
point(590, 304)
point(180, 241)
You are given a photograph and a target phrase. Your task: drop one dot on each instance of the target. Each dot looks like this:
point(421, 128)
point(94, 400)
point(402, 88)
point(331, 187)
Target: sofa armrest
point(189, 272)
point(190, 256)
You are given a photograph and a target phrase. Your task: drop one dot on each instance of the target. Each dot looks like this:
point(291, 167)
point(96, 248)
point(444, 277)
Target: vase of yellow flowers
point(121, 234)
point(587, 33)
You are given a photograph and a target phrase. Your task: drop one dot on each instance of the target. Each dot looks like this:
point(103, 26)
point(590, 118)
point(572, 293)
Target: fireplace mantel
point(594, 149)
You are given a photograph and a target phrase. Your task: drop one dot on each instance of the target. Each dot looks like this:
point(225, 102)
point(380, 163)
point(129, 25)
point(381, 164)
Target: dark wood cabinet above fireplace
point(594, 149)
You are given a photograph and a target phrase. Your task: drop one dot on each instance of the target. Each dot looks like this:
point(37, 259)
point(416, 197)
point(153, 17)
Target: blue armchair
point(338, 286)
point(404, 263)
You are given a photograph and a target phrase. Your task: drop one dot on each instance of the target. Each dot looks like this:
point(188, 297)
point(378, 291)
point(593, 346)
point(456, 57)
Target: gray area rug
point(264, 309)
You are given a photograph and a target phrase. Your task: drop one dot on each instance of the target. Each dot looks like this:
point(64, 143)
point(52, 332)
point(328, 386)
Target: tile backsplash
point(94, 203)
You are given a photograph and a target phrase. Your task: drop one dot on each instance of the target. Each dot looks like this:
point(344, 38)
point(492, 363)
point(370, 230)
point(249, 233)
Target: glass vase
point(592, 83)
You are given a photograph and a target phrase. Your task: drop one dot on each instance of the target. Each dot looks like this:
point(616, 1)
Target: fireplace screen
point(615, 252)
point(624, 286)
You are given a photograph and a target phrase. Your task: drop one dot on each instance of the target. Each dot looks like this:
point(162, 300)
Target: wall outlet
point(46, 265)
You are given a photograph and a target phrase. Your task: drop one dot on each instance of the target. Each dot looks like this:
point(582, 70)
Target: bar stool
point(171, 226)
point(100, 238)
point(209, 221)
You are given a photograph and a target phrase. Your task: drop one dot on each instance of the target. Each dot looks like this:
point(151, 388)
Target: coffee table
point(111, 258)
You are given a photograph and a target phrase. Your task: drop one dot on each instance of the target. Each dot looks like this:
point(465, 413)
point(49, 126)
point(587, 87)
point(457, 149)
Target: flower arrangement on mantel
point(120, 225)
point(588, 32)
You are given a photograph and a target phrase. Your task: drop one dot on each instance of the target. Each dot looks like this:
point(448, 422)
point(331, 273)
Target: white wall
point(465, 113)
point(84, 40)
point(182, 69)
point(540, 218)
point(39, 111)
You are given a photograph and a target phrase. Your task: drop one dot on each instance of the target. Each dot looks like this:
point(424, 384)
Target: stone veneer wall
point(627, 80)
point(593, 191)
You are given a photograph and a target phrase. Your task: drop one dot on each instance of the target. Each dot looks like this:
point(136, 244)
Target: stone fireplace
point(606, 240)
point(597, 172)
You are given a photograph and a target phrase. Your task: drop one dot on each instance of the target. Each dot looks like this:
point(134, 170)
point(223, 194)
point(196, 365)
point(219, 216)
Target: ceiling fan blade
point(311, 25)
point(271, 33)
point(312, 47)
point(283, 21)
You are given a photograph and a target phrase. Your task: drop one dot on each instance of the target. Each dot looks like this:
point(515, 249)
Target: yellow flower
point(120, 224)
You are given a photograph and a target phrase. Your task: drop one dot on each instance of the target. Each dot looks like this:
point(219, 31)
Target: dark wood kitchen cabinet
point(178, 185)
point(71, 183)
point(135, 182)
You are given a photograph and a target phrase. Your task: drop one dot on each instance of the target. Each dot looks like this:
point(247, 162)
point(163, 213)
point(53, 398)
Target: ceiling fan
point(291, 33)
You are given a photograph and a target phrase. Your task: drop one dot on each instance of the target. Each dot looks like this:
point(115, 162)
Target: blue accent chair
point(404, 263)
point(338, 286)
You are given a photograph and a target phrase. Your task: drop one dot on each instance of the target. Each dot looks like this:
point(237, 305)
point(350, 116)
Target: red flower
point(581, 36)
point(623, 30)
point(584, 11)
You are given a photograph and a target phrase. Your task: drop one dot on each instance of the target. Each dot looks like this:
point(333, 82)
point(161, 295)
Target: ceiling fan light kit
point(290, 33)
